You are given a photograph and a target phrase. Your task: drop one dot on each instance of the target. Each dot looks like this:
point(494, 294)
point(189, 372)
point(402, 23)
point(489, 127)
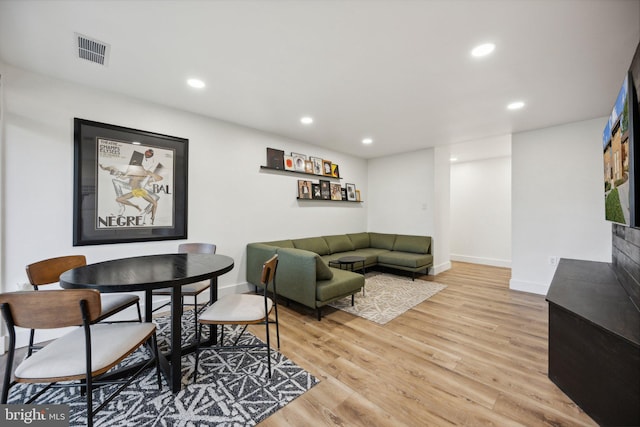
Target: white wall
point(442, 208)
point(400, 198)
point(231, 202)
point(407, 192)
point(481, 211)
point(557, 201)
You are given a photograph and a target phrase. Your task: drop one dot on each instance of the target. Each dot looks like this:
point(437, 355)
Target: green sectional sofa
point(304, 275)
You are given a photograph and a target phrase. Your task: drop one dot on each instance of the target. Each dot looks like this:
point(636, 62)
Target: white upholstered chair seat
point(237, 308)
point(65, 357)
point(190, 289)
point(113, 302)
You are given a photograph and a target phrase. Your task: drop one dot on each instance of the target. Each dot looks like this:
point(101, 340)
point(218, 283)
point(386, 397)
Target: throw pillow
point(338, 243)
point(323, 272)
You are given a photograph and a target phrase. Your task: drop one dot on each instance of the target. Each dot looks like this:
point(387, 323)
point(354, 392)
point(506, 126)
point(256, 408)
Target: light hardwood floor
point(475, 354)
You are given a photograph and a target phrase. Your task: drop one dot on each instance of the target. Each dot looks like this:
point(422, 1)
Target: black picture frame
point(275, 158)
point(315, 191)
point(325, 189)
point(130, 185)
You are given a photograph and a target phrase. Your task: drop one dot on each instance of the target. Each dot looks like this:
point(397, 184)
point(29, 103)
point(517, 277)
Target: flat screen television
point(618, 166)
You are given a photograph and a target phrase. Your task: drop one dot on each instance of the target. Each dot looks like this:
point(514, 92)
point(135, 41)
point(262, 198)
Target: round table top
point(146, 272)
point(350, 259)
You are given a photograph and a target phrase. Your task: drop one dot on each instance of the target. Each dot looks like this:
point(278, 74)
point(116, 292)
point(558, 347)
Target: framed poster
point(299, 161)
point(288, 163)
point(317, 165)
point(129, 185)
point(304, 189)
point(308, 166)
point(315, 189)
point(336, 192)
point(351, 192)
point(335, 170)
point(325, 189)
point(326, 167)
point(275, 158)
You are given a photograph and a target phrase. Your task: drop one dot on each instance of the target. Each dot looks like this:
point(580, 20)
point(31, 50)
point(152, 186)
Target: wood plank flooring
point(475, 354)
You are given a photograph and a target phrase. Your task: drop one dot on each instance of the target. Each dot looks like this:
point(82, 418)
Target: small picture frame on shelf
point(335, 171)
point(315, 191)
point(308, 166)
point(325, 189)
point(358, 199)
point(336, 192)
point(299, 161)
point(275, 158)
point(343, 191)
point(351, 193)
point(288, 163)
point(304, 189)
point(326, 167)
point(317, 165)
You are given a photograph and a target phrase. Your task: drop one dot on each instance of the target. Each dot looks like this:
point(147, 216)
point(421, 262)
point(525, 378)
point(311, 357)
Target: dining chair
point(192, 289)
point(48, 271)
point(81, 356)
point(245, 310)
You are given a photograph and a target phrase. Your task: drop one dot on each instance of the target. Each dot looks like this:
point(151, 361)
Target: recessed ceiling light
point(483, 50)
point(195, 83)
point(367, 141)
point(515, 105)
point(306, 120)
point(453, 159)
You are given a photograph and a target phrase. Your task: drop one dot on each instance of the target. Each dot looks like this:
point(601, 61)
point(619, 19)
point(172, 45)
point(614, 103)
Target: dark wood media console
point(594, 342)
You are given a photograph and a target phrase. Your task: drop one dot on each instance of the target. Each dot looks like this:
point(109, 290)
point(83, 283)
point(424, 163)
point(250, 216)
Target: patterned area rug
point(233, 389)
point(388, 296)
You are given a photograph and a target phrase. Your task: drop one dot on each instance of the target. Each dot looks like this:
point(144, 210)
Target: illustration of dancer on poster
point(134, 186)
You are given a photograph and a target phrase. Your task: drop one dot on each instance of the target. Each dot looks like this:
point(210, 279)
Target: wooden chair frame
point(78, 307)
point(268, 276)
point(48, 271)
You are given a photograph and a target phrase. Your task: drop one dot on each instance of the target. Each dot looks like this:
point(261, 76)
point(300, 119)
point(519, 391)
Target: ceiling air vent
point(92, 50)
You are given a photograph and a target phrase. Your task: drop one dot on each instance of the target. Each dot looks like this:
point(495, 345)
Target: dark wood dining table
point(146, 273)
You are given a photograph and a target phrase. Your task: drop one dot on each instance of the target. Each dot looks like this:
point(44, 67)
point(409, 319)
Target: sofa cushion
point(405, 259)
point(313, 244)
point(281, 244)
point(323, 272)
point(382, 241)
point(359, 240)
point(338, 243)
point(343, 283)
point(413, 244)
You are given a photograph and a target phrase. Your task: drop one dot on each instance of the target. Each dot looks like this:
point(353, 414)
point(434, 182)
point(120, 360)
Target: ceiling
point(399, 72)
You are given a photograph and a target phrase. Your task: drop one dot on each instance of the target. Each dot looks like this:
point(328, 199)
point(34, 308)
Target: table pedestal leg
point(176, 332)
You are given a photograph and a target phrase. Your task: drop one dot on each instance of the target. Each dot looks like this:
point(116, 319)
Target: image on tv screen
point(615, 144)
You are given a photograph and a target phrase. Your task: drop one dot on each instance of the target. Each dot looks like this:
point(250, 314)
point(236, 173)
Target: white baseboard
point(531, 287)
point(437, 269)
point(482, 260)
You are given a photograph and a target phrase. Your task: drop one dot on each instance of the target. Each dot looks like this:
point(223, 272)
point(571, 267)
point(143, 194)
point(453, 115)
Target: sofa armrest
point(257, 255)
point(296, 275)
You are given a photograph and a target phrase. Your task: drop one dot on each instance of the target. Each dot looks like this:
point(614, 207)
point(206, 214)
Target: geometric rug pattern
point(387, 296)
point(233, 388)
